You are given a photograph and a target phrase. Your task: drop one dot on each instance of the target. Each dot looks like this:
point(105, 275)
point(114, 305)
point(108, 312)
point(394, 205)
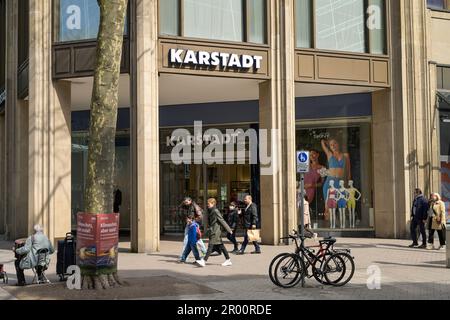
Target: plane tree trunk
point(102, 132)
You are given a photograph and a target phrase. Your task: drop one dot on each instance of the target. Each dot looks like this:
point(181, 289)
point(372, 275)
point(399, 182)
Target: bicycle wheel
point(289, 271)
point(349, 266)
point(272, 267)
point(334, 270)
point(316, 270)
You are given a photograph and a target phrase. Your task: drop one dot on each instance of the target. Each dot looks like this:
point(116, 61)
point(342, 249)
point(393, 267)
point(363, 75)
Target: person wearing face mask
point(233, 218)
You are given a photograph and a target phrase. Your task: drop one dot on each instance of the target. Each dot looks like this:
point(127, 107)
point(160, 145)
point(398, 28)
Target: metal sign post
point(302, 168)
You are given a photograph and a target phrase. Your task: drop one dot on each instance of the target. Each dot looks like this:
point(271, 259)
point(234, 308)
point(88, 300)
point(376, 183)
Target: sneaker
point(413, 245)
point(424, 246)
point(239, 252)
point(256, 252)
point(181, 261)
point(440, 247)
point(227, 263)
point(201, 263)
point(430, 247)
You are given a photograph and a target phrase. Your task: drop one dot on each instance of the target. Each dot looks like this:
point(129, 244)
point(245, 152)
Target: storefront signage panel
point(189, 57)
point(346, 69)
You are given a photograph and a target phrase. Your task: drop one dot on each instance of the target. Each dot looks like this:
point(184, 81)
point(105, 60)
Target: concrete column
point(49, 150)
point(277, 111)
point(145, 130)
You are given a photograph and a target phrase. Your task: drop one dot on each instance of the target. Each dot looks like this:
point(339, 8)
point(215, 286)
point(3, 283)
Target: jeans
point(185, 244)
point(187, 251)
point(232, 238)
point(244, 244)
point(414, 237)
point(218, 247)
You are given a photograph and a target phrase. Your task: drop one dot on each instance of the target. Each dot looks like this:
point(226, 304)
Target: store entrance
point(226, 183)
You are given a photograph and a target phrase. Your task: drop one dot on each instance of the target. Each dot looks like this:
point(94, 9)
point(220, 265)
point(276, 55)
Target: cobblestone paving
point(405, 273)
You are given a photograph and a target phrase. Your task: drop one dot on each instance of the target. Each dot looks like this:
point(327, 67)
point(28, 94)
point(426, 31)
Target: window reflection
point(78, 20)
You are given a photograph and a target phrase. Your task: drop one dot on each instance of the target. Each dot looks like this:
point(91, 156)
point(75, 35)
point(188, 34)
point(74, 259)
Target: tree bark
point(102, 133)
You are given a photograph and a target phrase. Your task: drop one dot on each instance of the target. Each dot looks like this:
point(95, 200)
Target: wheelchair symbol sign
point(303, 162)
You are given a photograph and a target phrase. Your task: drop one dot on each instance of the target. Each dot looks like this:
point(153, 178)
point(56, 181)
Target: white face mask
point(231, 208)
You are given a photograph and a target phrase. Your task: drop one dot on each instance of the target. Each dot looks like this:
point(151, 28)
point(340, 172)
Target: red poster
point(97, 240)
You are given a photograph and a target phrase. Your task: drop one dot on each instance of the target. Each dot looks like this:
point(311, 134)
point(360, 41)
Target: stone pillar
point(415, 89)
point(388, 171)
point(145, 231)
point(10, 116)
point(49, 150)
point(21, 169)
point(435, 148)
point(277, 111)
point(404, 119)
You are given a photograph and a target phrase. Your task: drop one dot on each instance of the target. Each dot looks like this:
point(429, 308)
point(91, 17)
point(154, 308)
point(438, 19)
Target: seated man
point(28, 254)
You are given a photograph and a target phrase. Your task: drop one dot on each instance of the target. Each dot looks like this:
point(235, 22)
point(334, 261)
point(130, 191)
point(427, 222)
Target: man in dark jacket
point(419, 215)
point(250, 223)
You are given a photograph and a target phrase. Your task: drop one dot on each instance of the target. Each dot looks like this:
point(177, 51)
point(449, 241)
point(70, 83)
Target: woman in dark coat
point(216, 222)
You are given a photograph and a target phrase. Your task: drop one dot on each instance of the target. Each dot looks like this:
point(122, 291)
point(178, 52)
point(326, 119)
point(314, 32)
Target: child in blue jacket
point(193, 237)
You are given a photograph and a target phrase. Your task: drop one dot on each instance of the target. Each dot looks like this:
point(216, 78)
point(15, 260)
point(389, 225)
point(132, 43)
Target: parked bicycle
point(329, 266)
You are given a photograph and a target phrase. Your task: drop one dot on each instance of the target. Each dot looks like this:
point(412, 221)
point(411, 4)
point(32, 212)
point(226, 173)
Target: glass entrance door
point(225, 183)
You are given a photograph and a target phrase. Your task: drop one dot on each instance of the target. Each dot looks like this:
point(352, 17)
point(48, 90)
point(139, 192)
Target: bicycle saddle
point(329, 239)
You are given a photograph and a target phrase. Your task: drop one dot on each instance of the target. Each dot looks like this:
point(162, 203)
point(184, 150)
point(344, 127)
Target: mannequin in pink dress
point(332, 203)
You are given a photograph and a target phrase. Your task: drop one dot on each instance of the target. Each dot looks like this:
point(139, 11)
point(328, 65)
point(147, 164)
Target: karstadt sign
point(214, 59)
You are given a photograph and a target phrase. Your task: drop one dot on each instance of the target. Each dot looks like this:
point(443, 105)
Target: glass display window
point(339, 184)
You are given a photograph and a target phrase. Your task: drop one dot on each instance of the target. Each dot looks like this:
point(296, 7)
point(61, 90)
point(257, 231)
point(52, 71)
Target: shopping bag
point(253, 235)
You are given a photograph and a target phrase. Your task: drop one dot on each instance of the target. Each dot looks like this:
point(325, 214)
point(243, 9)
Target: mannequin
point(332, 203)
point(353, 196)
point(342, 200)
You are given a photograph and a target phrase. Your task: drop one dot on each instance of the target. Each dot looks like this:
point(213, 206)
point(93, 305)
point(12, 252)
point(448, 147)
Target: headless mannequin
point(354, 195)
point(332, 204)
point(342, 200)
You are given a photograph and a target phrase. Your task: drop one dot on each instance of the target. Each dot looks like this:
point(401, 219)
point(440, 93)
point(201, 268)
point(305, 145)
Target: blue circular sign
point(303, 157)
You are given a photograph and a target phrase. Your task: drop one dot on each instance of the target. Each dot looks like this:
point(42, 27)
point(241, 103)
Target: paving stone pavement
point(406, 273)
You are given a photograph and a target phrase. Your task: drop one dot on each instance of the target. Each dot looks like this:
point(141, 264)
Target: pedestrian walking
point(189, 208)
point(193, 237)
point(250, 223)
point(438, 222)
point(430, 214)
point(233, 219)
point(419, 215)
point(216, 222)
